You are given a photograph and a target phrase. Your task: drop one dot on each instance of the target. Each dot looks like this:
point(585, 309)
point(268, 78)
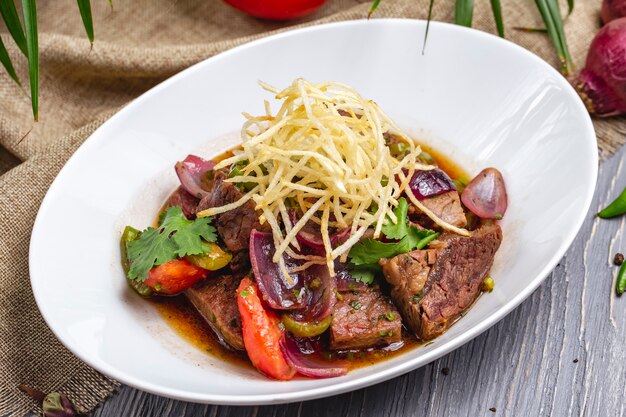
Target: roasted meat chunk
point(364, 318)
point(234, 226)
point(216, 301)
point(447, 207)
point(433, 287)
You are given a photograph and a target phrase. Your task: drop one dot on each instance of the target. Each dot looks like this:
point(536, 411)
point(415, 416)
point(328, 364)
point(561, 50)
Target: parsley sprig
point(364, 255)
point(174, 238)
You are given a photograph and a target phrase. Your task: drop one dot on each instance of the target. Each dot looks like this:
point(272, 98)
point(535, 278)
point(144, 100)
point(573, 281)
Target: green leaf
point(570, 7)
point(175, 237)
point(430, 15)
point(7, 64)
point(365, 274)
point(369, 251)
point(463, 12)
point(400, 229)
point(496, 8)
point(29, 10)
point(551, 16)
point(85, 13)
point(373, 8)
point(13, 24)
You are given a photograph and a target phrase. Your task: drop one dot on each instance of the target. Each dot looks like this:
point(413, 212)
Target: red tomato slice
point(174, 276)
point(261, 334)
point(277, 9)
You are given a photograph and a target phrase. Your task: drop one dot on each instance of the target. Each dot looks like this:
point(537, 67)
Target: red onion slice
point(311, 237)
point(311, 364)
point(191, 173)
point(485, 195)
point(430, 183)
point(277, 292)
point(319, 297)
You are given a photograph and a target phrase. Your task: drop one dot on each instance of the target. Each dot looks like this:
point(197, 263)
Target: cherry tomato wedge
point(261, 334)
point(174, 276)
point(277, 9)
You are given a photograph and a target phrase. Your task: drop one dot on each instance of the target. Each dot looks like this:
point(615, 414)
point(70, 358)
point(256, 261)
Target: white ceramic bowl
point(482, 100)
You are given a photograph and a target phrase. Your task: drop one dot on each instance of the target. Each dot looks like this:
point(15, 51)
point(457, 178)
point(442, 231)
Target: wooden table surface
point(562, 352)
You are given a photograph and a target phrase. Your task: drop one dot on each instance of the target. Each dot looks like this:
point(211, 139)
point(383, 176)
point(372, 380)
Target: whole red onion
point(602, 84)
point(612, 9)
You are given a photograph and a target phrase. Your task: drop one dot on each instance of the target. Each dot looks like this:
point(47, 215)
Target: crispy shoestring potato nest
point(323, 153)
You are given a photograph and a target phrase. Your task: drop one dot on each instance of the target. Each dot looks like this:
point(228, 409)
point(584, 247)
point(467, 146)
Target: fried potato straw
point(323, 153)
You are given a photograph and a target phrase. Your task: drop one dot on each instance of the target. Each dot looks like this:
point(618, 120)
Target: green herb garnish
point(175, 237)
point(367, 253)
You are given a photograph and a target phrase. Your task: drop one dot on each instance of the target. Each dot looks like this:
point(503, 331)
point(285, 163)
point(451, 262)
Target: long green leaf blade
point(430, 15)
point(463, 12)
point(570, 7)
point(32, 44)
point(373, 8)
point(496, 7)
point(12, 22)
point(555, 11)
point(542, 5)
point(5, 59)
point(85, 13)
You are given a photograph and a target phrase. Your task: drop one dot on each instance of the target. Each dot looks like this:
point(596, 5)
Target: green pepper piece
point(621, 280)
point(306, 329)
point(130, 234)
point(213, 260)
point(616, 208)
point(236, 170)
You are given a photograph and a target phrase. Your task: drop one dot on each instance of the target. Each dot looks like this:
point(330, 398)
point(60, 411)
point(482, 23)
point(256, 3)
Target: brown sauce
point(183, 318)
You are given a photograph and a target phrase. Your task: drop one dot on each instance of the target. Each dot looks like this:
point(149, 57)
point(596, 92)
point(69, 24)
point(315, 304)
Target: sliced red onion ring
point(310, 364)
point(277, 292)
point(430, 183)
point(311, 237)
point(319, 297)
point(191, 173)
point(485, 195)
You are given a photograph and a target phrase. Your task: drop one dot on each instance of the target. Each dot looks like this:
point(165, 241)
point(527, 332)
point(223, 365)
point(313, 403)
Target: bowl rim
point(339, 387)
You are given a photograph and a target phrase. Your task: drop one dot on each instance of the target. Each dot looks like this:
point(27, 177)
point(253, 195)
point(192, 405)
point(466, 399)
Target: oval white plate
point(483, 100)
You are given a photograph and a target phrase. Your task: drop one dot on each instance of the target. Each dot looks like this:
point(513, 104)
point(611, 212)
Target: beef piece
point(234, 226)
point(184, 200)
point(433, 287)
point(364, 319)
point(241, 262)
point(447, 207)
point(216, 300)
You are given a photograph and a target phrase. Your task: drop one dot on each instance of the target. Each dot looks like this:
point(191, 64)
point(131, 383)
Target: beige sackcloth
point(139, 44)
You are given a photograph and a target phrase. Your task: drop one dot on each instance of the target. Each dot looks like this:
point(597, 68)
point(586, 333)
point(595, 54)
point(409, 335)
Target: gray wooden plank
point(561, 353)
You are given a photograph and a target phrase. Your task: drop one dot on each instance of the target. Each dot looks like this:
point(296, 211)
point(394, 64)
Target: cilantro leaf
point(366, 254)
point(400, 229)
point(369, 251)
point(175, 237)
point(365, 273)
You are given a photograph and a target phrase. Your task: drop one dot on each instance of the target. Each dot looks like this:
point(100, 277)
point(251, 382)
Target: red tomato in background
point(277, 9)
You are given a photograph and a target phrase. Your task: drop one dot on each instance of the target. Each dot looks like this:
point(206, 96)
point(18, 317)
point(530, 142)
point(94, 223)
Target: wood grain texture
point(560, 353)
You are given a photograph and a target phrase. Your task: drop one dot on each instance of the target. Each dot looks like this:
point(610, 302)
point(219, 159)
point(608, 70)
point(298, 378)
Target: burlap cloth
point(139, 44)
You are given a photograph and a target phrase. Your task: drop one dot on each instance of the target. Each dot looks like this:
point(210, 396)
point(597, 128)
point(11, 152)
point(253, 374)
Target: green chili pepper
point(621, 280)
point(616, 208)
point(130, 234)
point(237, 170)
point(306, 329)
point(398, 149)
point(213, 260)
